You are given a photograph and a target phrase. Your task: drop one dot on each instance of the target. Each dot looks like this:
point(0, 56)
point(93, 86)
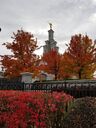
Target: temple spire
point(51, 33)
point(50, 43)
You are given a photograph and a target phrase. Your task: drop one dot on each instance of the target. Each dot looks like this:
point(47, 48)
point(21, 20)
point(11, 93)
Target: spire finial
point(50, 25)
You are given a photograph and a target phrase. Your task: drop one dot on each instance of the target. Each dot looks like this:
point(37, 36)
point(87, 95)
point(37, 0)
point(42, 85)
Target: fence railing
point(6, 84)
point(76, 88)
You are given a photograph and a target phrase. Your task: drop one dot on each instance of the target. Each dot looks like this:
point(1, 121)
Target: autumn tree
point(23, 57)
point(80, 57)
point(51, 63)
point(65, 69)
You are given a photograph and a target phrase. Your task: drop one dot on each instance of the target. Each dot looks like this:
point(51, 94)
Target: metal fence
point(76, 88)
point(6, 84)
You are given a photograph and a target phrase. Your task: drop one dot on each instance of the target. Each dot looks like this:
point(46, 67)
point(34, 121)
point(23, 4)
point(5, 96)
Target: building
point(50, 44)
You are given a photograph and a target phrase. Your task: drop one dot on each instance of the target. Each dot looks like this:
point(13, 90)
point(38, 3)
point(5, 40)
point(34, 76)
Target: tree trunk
point(55, 76)
point(80, 74)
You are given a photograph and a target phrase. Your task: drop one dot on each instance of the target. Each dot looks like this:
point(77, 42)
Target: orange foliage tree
point(65, 69)
point(51, 63)
point(80, 57)
point(23, 58)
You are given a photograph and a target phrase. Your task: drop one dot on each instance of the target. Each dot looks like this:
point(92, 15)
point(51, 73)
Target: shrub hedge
point(32, 109)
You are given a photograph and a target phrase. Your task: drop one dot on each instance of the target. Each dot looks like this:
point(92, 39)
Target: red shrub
point(26, 109)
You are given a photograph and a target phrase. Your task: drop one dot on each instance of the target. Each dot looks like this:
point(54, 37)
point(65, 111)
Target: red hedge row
point(32, 109)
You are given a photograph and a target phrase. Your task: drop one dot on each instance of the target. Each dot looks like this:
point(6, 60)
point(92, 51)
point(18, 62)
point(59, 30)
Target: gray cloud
point(68, 17)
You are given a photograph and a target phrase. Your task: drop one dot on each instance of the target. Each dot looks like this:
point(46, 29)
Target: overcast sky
point(68, 17)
